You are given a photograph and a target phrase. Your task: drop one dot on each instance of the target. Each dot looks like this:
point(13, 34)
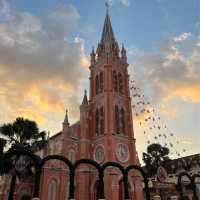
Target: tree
point(156, 155)
point(23, 133)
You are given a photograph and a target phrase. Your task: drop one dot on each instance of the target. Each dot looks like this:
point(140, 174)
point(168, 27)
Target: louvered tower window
point(97, 84)
point(97, 121)
point(120, 83)
point(122, 121)
point(115, 81)
point(101, 82)
point(101, 120)
point(117, 120)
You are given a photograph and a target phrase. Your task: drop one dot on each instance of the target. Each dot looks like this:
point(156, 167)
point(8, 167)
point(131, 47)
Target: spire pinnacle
point(85, 100)
point(66, 120)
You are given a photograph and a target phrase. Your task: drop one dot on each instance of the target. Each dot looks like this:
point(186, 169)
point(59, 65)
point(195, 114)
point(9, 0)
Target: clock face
point(99, 154)
point(122, 152)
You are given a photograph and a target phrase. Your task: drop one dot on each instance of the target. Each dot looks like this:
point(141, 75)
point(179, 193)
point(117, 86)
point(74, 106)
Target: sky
point(44, 59)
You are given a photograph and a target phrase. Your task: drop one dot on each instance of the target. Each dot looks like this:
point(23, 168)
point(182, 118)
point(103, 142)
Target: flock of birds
point(151, 123)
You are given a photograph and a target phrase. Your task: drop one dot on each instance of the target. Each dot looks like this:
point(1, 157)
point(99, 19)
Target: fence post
point(71, 185)
point(125, 180)
point(101, 186)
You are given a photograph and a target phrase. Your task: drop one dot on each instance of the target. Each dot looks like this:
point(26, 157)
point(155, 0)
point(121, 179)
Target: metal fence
point(39, 163)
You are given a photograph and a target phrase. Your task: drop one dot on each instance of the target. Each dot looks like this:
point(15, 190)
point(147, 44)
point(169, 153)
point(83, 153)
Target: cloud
point(182, 37)
point(172, 70)
point(40, 68)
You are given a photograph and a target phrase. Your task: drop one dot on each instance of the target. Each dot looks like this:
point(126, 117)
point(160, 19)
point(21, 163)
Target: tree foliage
point(23, 133)
point(156, 155)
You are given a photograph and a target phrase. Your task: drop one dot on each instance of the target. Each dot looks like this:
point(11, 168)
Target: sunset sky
point(44, 49)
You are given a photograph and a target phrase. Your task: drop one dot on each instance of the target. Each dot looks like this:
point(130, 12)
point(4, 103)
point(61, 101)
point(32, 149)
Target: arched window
point(52, 190)
point(122, 121)
point(101, 82)
point(97, 84)
point(120, 83)
point(115, 81)
point(71, 155)
point(101, 120)
point(117, 119)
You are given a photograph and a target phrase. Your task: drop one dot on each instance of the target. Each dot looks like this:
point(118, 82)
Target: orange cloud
point(29, 114)
point(188, 92)
point(45, 100)
point(85, 62)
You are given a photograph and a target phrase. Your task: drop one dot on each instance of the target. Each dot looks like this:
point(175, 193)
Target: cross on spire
point(107, 6)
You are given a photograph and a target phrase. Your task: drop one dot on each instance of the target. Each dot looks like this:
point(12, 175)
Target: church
point(103, 133)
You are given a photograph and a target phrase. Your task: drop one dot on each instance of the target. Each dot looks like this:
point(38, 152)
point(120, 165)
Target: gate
point(38, 164)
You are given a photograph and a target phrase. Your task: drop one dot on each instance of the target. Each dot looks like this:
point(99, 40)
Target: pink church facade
point(104, 132)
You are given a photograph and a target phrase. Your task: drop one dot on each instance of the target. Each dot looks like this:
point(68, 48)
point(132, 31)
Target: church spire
point(107, 34)
point(108, 44)
point(66, 120)
point(85, 100)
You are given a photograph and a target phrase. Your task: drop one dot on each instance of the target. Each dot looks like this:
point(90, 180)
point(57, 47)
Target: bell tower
point(111, 126)
point(111, 122)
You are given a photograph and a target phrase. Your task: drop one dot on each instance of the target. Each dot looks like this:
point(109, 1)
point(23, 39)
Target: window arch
point(52, 189)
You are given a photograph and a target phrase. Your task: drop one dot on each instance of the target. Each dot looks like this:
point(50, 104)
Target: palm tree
point(24, 133)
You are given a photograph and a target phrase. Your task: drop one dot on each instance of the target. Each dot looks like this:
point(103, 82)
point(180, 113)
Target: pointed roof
point(85, 100)
point(66, 120)
point(107, 34)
